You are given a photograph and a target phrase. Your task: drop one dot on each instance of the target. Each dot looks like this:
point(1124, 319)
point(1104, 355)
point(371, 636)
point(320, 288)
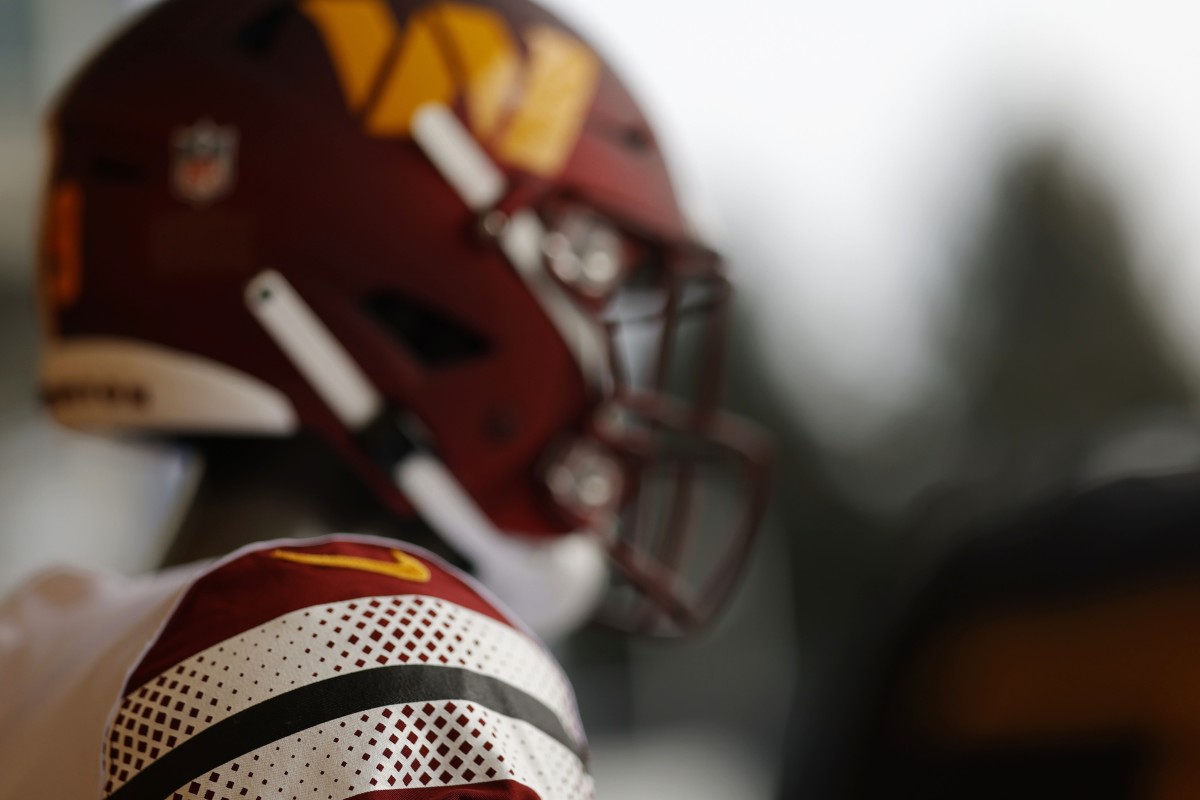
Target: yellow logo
point(405, 567)
point(530, 108)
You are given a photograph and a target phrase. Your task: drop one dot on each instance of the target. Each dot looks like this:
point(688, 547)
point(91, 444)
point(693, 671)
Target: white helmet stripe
point(481, 185)
point(458, 157)
point(310, 346)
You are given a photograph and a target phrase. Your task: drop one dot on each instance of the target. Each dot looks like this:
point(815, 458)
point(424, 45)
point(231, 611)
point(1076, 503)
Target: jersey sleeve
point(67, 638)
point(343, 668)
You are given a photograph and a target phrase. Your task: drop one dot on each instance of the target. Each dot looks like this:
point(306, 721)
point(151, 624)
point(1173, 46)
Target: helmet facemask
point(676, 486)
point(673, 487)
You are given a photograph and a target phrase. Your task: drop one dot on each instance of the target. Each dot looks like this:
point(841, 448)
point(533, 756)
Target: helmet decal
point(561, 78)
point(358, 35)
point(203, 162)
point(529, 107)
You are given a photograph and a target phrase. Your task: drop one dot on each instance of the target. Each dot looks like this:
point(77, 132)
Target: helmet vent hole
point(433, 337)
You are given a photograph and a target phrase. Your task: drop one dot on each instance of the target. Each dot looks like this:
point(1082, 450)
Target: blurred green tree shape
point(1053, 330)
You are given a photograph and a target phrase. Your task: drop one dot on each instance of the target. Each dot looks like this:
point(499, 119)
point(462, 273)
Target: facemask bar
point(678, 295)
point(674, 598)
point(669, 422)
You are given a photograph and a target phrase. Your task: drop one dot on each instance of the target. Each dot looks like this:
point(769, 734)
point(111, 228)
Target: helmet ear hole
point(432, 336)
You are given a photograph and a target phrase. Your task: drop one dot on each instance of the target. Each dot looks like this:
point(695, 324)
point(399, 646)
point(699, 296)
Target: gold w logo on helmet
point(529, 107)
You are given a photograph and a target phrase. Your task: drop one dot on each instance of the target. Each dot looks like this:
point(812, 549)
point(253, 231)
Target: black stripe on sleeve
point(316, 703)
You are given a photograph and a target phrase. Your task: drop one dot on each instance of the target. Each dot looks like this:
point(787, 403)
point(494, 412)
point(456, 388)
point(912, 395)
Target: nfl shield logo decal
point(203, 162)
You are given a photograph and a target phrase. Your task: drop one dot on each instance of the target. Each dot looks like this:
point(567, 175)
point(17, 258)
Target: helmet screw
point(585, 479)
point(493, 224)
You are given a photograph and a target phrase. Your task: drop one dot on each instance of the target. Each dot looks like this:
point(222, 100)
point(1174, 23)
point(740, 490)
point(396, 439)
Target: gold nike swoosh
point(405, 567)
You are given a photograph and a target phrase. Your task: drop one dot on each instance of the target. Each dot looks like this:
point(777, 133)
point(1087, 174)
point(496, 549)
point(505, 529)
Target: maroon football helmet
point(439, 235)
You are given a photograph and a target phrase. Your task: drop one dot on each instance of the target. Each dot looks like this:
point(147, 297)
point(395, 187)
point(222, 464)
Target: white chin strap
point(552, 585)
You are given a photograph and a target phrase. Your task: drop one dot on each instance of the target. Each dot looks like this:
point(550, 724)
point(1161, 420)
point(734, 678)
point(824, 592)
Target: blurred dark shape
point(828, 537)
point(1051, 654)
point(1054, 330)
point(1054, 346)
point(292, 484)
point(1052, 354)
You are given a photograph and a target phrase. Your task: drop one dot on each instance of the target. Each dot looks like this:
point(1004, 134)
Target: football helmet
point(441, 236)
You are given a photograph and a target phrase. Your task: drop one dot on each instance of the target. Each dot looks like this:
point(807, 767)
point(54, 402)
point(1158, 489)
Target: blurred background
point(964, 239)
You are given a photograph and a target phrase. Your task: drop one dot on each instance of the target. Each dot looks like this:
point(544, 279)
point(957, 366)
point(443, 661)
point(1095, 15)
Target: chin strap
point(552, 585)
